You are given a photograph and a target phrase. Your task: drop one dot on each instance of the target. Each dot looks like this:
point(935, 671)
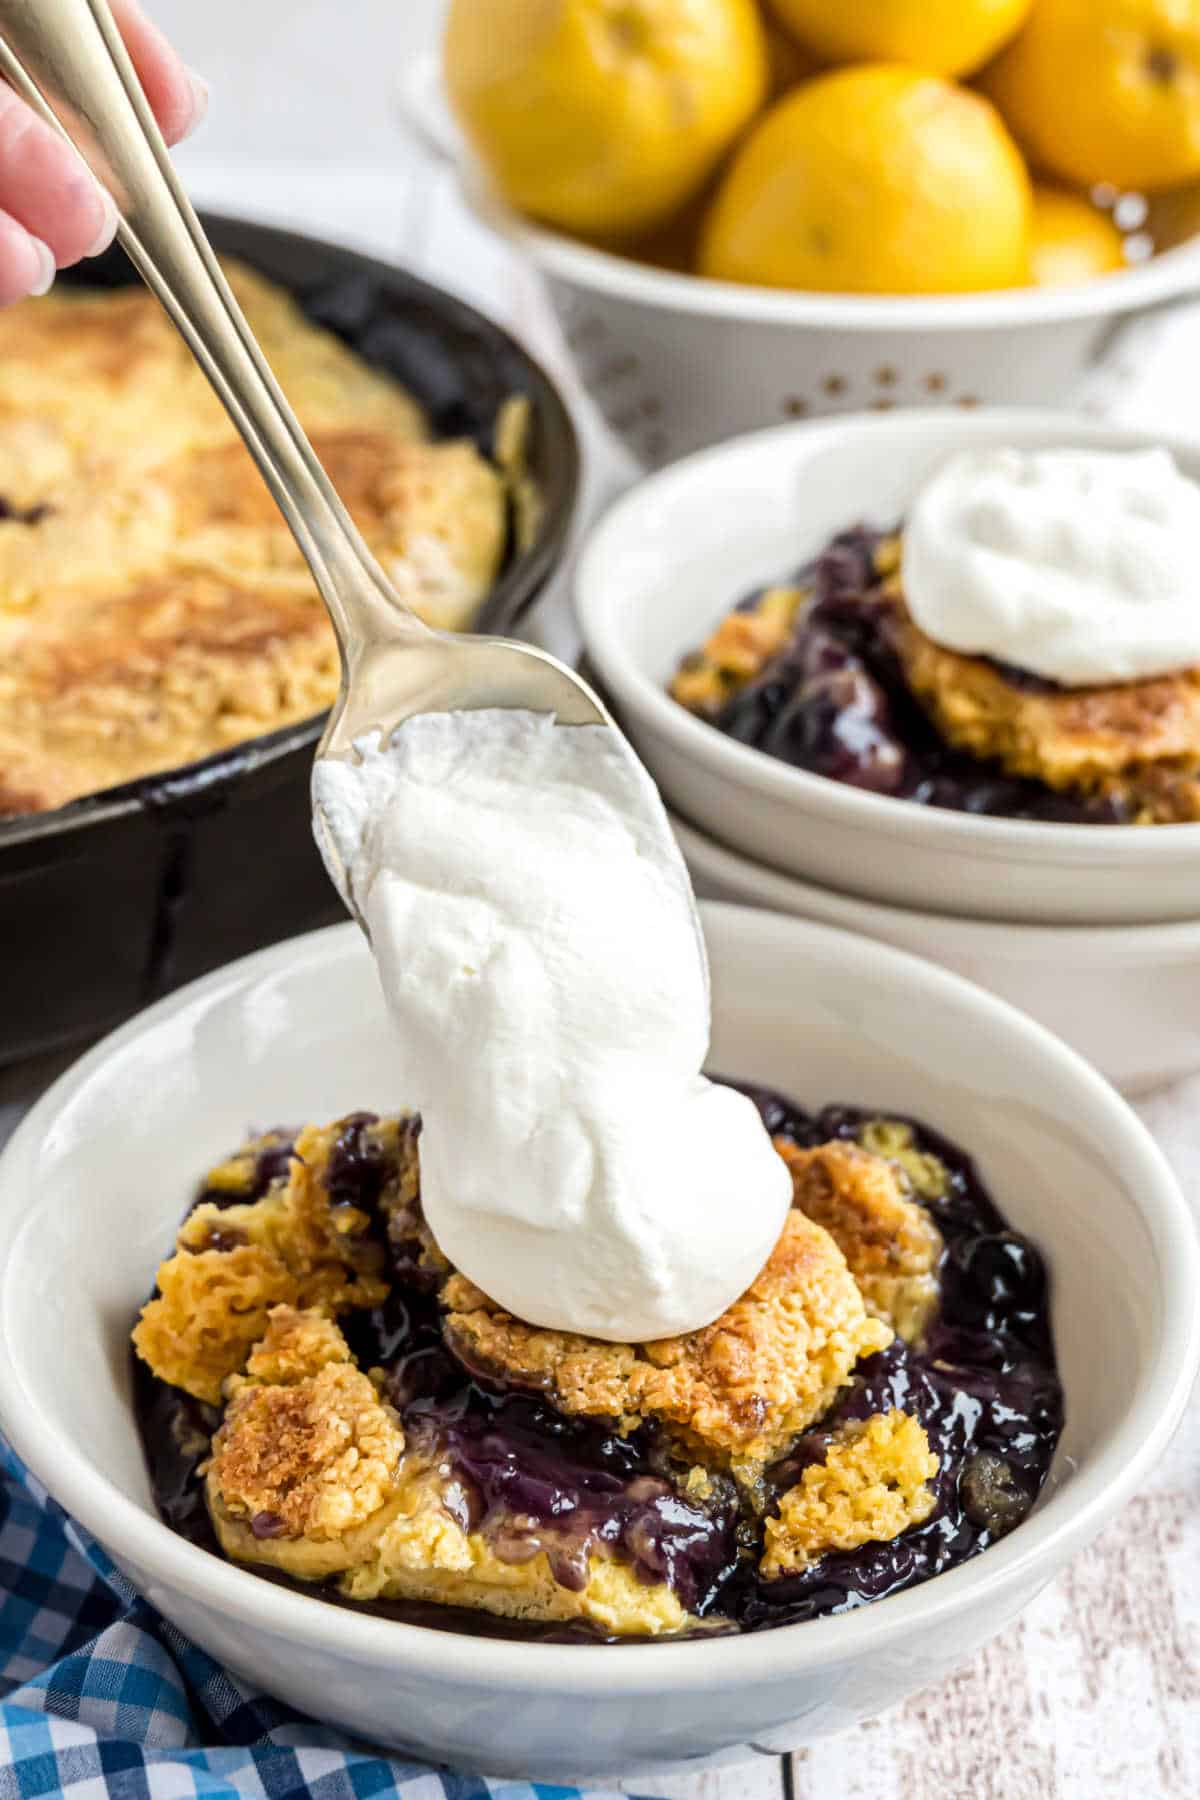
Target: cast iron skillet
point(112, 901)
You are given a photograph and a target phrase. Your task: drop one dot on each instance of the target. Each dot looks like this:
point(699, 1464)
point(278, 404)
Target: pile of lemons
point(855, 146)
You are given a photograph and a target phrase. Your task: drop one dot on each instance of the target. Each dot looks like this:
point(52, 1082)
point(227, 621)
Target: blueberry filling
point(983, 1385)
point(527, 1490)
point(834, 701)
point(270, 1164)
point(532, 1479)
point(357, 1166)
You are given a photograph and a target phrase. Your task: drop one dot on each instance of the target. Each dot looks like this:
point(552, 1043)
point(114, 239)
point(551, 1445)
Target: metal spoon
point(67, 59)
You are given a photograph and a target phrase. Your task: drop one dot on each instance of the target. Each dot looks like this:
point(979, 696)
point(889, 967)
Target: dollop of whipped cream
point(1078, 565)
point(537, 942)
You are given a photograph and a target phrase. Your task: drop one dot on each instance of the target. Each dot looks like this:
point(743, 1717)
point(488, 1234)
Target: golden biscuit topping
point(296, 1345)
point(313, 1453)
point(891, 1244)
point(298, 1245)
point(154, 608)
point(310, 1474)
point(738, 1391)
point(871, 1486)
point(1138, 740)
point(738, 650)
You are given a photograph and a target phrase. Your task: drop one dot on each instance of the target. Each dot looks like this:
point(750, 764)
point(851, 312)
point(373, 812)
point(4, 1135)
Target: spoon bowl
point(397, 674)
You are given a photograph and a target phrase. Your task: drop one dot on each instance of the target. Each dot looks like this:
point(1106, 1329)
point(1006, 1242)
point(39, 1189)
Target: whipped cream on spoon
point(538, 946)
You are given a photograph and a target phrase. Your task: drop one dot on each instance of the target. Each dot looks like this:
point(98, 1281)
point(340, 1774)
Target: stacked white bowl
point(1094, 929)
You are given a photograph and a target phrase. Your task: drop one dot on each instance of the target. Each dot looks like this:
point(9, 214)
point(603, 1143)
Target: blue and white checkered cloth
point(102, 1699)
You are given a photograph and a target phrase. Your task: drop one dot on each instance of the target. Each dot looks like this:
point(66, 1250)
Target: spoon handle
point(66, 58)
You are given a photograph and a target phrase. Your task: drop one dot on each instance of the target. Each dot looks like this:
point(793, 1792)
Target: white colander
point(675, 363)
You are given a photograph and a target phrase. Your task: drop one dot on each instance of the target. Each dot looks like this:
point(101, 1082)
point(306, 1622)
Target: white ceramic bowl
point(676, 362)
point(679, 549)
point(1125, 996)
point(94, 1180)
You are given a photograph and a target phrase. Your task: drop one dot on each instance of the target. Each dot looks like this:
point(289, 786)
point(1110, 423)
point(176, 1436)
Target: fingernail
point(199, 89)
point(47, 267)
point(108, 229)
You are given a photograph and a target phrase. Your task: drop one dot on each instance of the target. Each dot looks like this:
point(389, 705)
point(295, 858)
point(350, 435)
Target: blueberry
point(836, 722)
point(1002, 1271)
point(272, 1164)
point(847, 568)
point(267, 1525)
point(358, 1164)
point(990, 1494)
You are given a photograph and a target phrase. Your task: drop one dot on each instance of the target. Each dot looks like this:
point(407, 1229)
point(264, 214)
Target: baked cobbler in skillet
point(154, 608)
point(323, 1398)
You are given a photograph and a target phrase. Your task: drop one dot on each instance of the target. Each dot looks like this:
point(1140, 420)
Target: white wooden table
point(1095, 1693)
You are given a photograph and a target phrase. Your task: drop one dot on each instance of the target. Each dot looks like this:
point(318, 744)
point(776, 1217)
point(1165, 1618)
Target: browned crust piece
point(160, 675)
point(871, 1486)
point(1138, 741)
point(890, 1242)
point(307, 1448)
point(736, 1392)
point(738, 650)
point(154, 608)
point(296, 1247)
point(310, 1474)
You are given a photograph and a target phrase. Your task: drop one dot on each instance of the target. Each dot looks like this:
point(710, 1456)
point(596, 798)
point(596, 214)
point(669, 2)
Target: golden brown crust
point(738, 650)
point(310, 1450)
point(871, 1486)
point(233, 1264)
point(309, 1474)
point(107, 375)
point(295, 1346)
point(412, 1548)
point(95, 694)
point(1139, 740)
point(433, 514)
point(890, 1243)
point(735, 1393)
point(154, 608)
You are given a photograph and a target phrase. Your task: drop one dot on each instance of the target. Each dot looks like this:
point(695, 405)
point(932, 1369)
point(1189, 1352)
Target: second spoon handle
point(66, 58)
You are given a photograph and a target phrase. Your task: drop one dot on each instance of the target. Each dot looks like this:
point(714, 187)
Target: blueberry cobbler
point(324, 1398)
point(154, 608)
point(830, 671)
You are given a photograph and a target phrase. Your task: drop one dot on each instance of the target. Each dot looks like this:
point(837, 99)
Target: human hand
point(52, 213)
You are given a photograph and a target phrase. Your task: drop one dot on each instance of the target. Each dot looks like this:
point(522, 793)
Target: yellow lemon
point(874, 179)
point(603, 116)
point(945, 37)
point(1106, 90)
point(1072, 239)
